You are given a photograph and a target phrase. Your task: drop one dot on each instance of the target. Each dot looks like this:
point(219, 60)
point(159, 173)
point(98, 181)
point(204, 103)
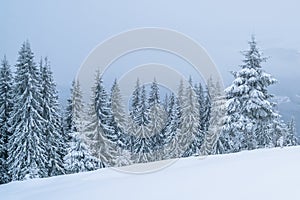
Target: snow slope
point(259, 174)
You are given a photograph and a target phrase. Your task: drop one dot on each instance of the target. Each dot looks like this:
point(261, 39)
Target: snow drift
point(259, 174)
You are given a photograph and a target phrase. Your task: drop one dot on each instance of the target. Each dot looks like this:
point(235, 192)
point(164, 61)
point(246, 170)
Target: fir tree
point(100, 131)
point(117, 107)
point(6, 104)
point(74, 109)
point(52, 126)
point(79, 158)
point(172, 131)
point(214, 143)
point(27, 153)
point(166, 103)
point(190, 139)
point(135, 104)
point(291, 138)
point(123, 142)
point(250, 114)
point(157, 118)
point(142, 150)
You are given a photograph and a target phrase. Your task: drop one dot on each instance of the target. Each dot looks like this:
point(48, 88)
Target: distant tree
point(291, 138)
point(166, 103)
point(27, 144)
point(117, 107)
point(135, 108)
point(6, 105)
point(74, 109)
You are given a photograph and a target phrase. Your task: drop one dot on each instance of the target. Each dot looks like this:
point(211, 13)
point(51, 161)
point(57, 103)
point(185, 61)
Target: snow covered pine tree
point(27, 145)
point(6, 99)
point(79, 158)
point(56, 143)
point(100, 130)
point(250, 115)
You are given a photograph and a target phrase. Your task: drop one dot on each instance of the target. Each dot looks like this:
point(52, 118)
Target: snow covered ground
point(259, 174)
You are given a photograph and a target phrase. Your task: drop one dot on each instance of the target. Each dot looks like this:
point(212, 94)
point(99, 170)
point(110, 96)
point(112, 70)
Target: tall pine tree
point(250, 115)
point(213, 142)
point(100, 130)
point(191, 139)
point(27, 152)
point(74, 110)
point(157, 119)
point(6, 104)
point(291, 138)
point(52, 127)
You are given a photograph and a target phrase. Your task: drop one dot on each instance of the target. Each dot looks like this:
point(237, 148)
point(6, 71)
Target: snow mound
point(259, 174)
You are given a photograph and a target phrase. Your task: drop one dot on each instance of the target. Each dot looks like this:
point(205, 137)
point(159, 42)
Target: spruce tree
point(123, 143)
point(291, 138)
point(214, 143)
point(157, 118)
point(79, 158)
point(250, 115)
point(52, 127)
point(117, 107)
point(143, 144)
point(142, 150)
point(74, 109)
point(6, 104)
point(166, 103)
point(100, 130)
point(135, 103)
point(172, 131)
point(190, 139)
point(27, 152)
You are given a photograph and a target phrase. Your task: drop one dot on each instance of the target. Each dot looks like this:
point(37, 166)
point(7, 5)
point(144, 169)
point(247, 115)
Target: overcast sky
point(66, 31)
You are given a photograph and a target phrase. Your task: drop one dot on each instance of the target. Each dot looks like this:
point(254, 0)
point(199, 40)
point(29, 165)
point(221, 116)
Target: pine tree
point(27, 153)
point(117, 107)
point(172, 131)
point(157, 118)
point(214, 143)
point(204, 115)
point(123, 142)
point(52, 126)
point(6, 104)
point(142, 150)
point(79, 158)
point(250, 114)
point(176, 145)
point(166, 103)
point(74, 110)
point(135, 104)
point(190, 139)
point(100, 130)
point(291, 138)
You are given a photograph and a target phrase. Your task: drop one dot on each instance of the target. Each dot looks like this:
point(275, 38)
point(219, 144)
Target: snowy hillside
point(259, 174)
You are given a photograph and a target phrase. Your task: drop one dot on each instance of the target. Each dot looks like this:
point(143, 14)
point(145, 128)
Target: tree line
point(38, 139)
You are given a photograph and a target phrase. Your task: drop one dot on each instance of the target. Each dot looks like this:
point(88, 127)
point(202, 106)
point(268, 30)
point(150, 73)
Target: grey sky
point(66, 31)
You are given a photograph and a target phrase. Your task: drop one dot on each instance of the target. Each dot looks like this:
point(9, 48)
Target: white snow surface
point(258, 174)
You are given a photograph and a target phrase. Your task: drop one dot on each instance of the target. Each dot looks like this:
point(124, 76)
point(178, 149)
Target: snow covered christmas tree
point(6, 104)
point(251, 116)
point(27, 144)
